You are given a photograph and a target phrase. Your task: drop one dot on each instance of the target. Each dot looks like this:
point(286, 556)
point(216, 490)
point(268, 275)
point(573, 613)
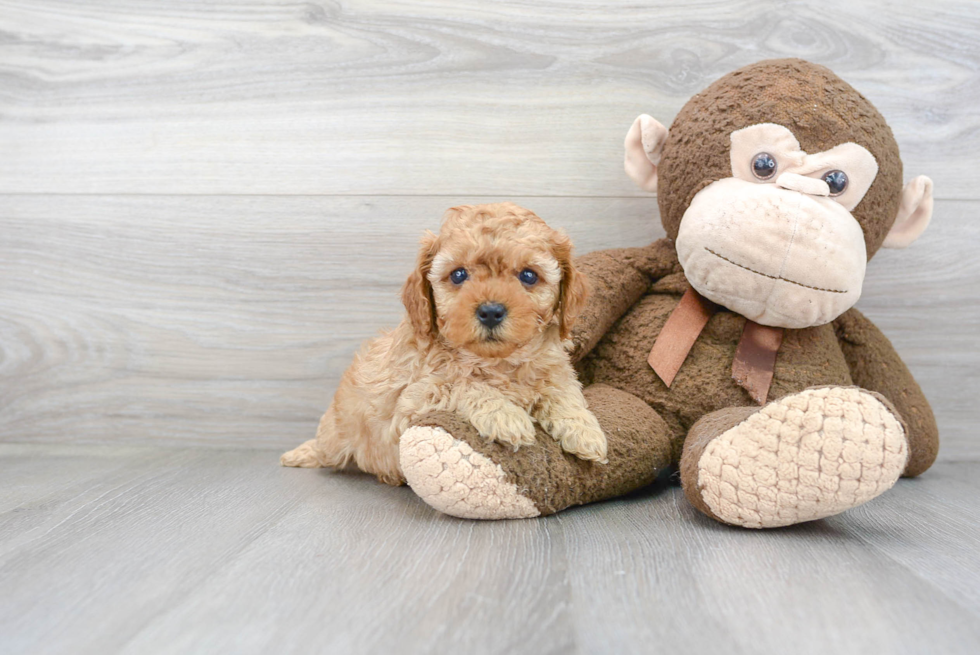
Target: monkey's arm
point(875, 366)
point(618, 279)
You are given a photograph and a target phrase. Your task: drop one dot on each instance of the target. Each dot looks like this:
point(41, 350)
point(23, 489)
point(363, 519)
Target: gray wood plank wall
point(205, 207)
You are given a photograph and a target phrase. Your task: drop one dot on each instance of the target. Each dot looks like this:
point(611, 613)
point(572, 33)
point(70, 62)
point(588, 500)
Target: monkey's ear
point(417, 292)
point(914, 214)
point(644, 144)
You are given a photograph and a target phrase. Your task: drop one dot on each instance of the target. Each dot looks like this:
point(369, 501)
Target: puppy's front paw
point(508, 424)
point(582, 438)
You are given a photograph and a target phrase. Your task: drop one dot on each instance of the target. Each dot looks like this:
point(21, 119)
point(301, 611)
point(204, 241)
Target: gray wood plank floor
point(147, 550)
point(206, 207)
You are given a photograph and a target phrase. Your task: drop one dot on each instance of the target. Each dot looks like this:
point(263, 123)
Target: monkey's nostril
point(491, 314)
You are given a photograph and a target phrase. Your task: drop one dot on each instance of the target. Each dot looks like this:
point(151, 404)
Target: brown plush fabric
point(638, 450)
point(704, 384)
point(701, 434)
point(619, 278)
point(851, 351)
point(819, 108)
point(875, 366)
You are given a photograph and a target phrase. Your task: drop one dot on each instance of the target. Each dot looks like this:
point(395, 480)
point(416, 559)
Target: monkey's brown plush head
point(778, 183)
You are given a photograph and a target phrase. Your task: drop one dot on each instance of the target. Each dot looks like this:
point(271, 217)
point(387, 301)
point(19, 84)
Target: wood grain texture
point(442, 97)
point(206, 207)
point(222, 320)
point(147, 550)
point(227, 321)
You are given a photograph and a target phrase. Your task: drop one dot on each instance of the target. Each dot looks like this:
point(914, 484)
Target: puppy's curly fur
point(441, 357)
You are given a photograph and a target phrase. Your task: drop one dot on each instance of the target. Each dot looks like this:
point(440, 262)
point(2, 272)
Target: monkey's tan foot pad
point(804, 457)
point(455, 479)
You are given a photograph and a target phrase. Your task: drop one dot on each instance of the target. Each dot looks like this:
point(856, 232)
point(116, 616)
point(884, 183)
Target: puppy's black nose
point(491, 314)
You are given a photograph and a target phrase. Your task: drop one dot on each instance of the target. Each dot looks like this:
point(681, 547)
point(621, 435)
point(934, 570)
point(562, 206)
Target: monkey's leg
point(456, 471)
point(803, 457)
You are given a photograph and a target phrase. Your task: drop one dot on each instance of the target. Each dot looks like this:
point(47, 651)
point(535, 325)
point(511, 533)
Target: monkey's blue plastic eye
point(837, 181)
point(528, 277)
point(763, 166)
point(458, 276)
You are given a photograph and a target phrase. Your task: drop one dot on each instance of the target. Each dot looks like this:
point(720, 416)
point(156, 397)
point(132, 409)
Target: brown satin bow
point(755, 356)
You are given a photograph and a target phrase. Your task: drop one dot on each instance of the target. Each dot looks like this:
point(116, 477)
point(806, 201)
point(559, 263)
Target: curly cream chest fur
point(521, 378)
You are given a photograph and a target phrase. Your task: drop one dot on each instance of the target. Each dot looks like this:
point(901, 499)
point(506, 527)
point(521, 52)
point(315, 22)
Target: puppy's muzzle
point(491, 314)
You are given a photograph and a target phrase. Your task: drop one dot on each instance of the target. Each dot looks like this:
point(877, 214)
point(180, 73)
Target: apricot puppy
point(490, 302)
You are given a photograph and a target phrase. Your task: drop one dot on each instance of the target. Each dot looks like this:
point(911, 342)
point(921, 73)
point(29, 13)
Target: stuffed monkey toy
point(731, 349)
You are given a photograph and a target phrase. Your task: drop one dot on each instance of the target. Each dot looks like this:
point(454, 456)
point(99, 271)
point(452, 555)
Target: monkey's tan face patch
point(778, 258)
point(854, 161)
point(776, 242)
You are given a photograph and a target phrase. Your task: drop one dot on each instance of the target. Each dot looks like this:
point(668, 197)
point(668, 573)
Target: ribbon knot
point(755, 356)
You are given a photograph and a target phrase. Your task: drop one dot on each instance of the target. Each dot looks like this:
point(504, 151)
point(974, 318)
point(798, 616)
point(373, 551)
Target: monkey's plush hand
point(618, 278)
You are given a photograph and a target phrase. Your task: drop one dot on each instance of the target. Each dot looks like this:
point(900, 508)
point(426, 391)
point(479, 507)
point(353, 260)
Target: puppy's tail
point(311, 455)
point(305, 456)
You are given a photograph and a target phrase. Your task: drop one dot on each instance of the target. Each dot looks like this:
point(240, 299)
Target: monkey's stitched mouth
point(772, 277)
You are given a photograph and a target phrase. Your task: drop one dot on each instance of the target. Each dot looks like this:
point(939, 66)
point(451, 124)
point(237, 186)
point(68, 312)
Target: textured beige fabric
point(781, 251)
point(808, 185)
point(456, 480)
point(777, 257)
point(807, 456)
point(644, 143)
point(778, 141)
point(914, 214)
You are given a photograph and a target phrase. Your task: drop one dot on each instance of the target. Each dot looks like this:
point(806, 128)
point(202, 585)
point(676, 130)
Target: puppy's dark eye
point(528, 277)
point(458, 276)
point(837, 181)
point(763, 166)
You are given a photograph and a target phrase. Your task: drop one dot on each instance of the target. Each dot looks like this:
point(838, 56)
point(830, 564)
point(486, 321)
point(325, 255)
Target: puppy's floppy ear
point(574, 287)
point(417, 292)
